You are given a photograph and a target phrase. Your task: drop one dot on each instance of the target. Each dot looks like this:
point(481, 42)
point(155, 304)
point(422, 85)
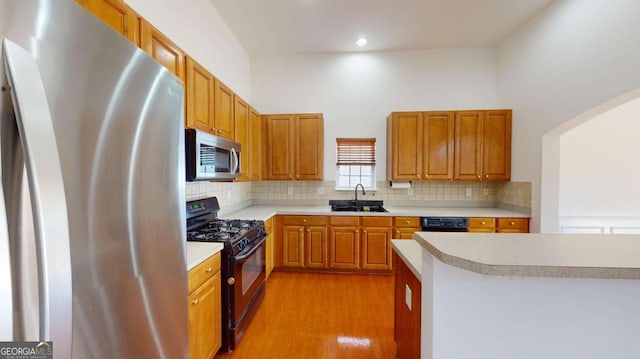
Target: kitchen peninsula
point(530, 295)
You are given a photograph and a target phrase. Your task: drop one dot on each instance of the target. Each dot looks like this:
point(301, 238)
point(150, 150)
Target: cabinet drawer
point(304, 220)
point(482, 223)
point(513, 225)
point(406, 222)
point(344, 221)
point(203, 271)
point(377, 221)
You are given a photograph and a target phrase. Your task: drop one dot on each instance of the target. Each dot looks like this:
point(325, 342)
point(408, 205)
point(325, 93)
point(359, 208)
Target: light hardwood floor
point(317, 315)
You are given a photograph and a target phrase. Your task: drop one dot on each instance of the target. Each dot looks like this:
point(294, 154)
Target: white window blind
point(356, 159)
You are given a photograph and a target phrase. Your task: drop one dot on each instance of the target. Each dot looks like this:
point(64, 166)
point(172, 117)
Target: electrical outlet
point(290, 190)
point(469, 192)
point(410, 191)
point(319, 190)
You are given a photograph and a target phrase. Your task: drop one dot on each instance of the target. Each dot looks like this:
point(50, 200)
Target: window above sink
point(356, 163)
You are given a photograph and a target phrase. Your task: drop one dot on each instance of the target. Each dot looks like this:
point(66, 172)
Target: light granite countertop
point(612, 256)
point(199, 251)
point(264, 212)
point(411, 254)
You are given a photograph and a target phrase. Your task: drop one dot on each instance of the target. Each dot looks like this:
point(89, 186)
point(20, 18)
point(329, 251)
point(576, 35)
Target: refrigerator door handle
point(48, 201)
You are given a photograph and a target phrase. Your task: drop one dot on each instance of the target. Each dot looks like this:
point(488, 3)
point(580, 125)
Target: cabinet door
point(293, 246)
point(163, 50)
point(376, 248)
point(241, 128)
point(316, 247)
point(255, 145)
point(200, 89)
point(407, 319)
point(468, 145)
point(224, 110)
point(279, 147)
point(344, 252)
point(309, 147)
point(205, 331)
point(437, 145)
point(117, 15)
point(269, 247)
point(404, 152)
point(496, 145)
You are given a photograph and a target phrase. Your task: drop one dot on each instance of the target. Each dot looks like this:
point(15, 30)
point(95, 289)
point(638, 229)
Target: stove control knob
point(231, 281)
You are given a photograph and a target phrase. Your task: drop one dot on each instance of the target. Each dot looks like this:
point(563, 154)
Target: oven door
point(249, 270)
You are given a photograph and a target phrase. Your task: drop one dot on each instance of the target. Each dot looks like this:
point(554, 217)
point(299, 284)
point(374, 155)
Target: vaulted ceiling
point(276, 27)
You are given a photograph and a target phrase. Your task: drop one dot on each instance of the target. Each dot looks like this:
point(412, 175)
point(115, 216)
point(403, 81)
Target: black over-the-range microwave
point(210, 158)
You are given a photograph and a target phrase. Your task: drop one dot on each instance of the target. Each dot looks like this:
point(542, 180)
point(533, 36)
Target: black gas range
point(243, 264)
point(203, 225)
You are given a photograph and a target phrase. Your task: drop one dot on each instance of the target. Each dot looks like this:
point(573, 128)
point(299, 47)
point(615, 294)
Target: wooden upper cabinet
point(199, 97)
point(255, 145)
point(279, 144)
point(404, 146)
point(496, 146)
point(241, 128)
point(468, 145)
point(309, 145)
point(437, 145)
point(420, 146)
point(293, 147)
point(224, 118)
point(163, 50)
point(117, 15)
point(483, 145)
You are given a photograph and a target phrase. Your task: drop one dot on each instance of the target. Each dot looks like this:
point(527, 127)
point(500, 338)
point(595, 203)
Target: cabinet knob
point(512, 223)
point(365, 231)
point(478, 176)
point(297, 176)
point(195, 301)
point(486, 176)
point(208, 270)
point(483, 223)
point(219, 131)
point(397, 234)
point(407, 221)
point(304, 220)
point(308, 231)
point(301, 230)
point(290, 177)
point(426, 176)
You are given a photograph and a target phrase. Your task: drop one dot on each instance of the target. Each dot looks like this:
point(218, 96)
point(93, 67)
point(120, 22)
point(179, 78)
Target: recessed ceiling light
point(361, 41)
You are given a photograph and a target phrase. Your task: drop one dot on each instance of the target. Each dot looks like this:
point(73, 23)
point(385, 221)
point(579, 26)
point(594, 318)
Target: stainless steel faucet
point(356, 192)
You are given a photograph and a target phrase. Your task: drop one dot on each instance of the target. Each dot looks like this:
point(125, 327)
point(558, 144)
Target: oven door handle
point(255, 248)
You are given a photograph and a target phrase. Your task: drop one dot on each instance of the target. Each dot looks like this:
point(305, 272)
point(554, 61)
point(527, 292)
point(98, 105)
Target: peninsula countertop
point(264, 212)
point(613, 256)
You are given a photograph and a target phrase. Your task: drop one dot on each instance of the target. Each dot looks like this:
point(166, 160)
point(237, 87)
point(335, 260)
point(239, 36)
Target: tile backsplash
point(510, 195)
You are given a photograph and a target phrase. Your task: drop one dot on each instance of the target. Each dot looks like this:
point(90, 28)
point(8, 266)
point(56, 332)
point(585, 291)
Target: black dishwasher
point(444, 224)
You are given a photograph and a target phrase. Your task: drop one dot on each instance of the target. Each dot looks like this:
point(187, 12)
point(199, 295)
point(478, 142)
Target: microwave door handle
point(235, 161)
point(48, 201)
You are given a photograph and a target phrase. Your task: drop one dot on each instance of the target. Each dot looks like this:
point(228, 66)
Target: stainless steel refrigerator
point(92, 221)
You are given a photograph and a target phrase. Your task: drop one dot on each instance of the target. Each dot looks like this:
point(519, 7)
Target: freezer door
point(119, 128)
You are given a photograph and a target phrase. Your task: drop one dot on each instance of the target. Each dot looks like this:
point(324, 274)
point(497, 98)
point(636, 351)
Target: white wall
point(600, 167)
point(357, 91)
point(572, 57)
point(198, 29)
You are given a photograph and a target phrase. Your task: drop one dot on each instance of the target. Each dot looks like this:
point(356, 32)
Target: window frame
point(355, 152)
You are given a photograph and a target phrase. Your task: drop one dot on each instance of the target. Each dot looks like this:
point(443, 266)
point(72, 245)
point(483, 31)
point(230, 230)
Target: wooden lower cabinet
point(500, 225)
point(304, 241)
point(376, 243)
point(344, 248)
point(407, 320)
point(404, 227)
point(269, 247)
point(205, 321)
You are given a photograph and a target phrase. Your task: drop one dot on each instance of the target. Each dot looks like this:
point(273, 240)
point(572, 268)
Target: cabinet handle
point(290, 177)
point(426, 176)
point(301, 230)
point(365, 231)
point(195, 301)
point(308, 231)
point(407, 221)
point(304, 221)
point(478, 176)
point(231, 281)
point(397, 234)
point(219, 131)
point(483, 223)
point(297, 176)
point(208, 270)
point(486, 176)
point(512, 223)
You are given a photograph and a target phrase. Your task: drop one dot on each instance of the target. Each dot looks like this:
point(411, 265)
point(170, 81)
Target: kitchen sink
point(359, 206)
